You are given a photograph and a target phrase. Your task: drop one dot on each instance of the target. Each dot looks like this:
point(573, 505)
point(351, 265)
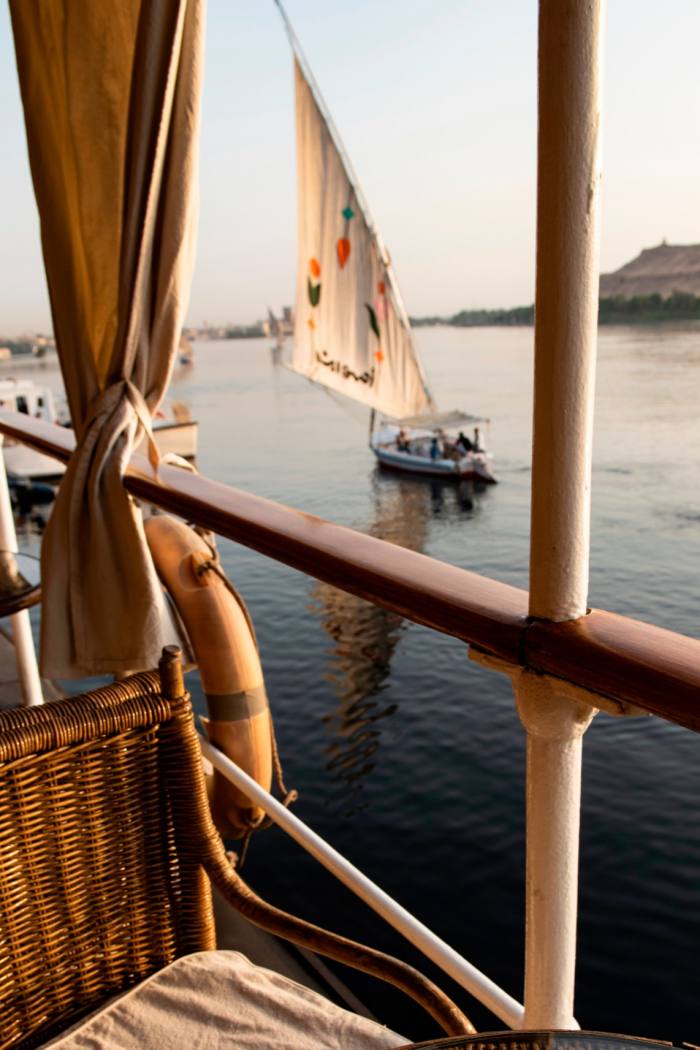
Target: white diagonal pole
point(21, 624)
point(466, 975)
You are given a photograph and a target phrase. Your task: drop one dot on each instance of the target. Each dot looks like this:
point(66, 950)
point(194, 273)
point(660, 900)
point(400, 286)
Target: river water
point(407, 756)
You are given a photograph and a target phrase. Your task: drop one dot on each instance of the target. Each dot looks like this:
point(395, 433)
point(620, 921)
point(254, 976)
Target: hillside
point(662, 271)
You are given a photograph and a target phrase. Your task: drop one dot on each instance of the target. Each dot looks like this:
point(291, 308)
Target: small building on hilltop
point(663, 270)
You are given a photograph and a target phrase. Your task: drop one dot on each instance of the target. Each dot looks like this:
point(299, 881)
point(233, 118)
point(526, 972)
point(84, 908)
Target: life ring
point(223, 641)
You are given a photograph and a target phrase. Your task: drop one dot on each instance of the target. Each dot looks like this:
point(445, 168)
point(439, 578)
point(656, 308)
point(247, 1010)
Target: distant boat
point(279, 328)
point(175, 431)
point(173, 428)
point(273, 329)
point(185, 351)
point(351, 331)
point(22, 462)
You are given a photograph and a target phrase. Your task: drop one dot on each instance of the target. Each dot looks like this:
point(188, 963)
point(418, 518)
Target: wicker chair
point(108, 853)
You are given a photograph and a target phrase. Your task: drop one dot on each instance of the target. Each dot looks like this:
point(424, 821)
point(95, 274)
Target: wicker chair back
point(108, 853)
point(95, 891)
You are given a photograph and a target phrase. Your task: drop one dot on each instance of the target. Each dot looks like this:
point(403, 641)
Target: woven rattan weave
point(107, 850)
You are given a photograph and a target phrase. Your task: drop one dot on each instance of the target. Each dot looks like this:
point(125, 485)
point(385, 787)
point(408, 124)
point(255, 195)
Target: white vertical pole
point(566, 311)
point(566, 307)
point(21, 624)
point(555, 726)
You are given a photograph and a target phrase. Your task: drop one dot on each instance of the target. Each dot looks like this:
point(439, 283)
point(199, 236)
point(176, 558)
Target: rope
point(287, 796)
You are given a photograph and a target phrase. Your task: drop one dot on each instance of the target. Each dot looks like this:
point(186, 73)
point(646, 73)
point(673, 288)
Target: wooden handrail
point(629, 661)
point(430, 592)
point(422, 589)
point(45, 437)
point(626, 659)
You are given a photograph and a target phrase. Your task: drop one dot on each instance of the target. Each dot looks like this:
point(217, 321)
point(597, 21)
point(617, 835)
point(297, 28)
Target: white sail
point(351, 333)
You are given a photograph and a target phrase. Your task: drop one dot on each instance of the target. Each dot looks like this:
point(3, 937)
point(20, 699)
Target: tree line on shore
point(680, 306)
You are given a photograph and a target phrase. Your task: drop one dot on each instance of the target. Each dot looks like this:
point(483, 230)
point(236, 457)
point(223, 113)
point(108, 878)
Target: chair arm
point(454, 1043)
point(240, 896)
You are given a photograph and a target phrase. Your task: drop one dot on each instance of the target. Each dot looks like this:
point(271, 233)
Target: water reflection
point(454, 499)
point(365, 636)
point(674, 345)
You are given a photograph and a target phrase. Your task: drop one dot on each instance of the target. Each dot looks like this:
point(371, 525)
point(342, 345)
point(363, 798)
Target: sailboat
point(352, 334)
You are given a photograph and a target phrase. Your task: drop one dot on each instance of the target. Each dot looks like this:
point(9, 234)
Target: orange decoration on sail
point(343, 250)
point(311, 323)
point(315, 267)
point(379, 356)
point(381, 288)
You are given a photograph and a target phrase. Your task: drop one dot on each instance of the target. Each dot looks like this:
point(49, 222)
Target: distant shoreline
point(643, 309)
point(614, 310)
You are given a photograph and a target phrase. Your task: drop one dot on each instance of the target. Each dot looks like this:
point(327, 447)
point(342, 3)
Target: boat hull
point(177, 438)
point(21, 461)
point(24, 462)
point(471, 466)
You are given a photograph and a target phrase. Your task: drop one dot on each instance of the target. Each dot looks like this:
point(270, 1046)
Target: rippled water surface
point(407, 756)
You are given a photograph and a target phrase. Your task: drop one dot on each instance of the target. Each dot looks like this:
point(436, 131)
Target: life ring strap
point(232, 707)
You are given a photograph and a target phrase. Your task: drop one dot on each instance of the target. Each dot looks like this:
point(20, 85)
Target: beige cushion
point(220, 999)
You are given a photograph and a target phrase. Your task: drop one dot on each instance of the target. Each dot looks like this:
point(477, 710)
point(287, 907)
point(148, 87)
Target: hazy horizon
point(436, 105)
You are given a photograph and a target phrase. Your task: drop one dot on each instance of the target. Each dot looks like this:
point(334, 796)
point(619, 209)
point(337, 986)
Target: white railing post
point(566, 310)
point(555, 726)
point(21, 624)
point(566, 305)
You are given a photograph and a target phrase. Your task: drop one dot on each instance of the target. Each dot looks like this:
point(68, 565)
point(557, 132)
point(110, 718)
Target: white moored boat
point(351, 330)
point(174, 431)
point(429, 448)
point(23, 395)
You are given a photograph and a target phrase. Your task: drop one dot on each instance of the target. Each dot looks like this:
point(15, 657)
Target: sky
point(435, 101)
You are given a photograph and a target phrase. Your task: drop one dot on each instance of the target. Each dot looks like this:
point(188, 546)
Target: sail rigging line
point(338, 143)
point(355, 185)
point(336, 396)
point(343, 401)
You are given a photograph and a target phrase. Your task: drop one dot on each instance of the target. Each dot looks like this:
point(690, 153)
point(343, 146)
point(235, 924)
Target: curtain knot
point(124, 394)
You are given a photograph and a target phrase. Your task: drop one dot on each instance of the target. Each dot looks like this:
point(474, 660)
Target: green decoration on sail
point(373, 320)
point(314, 292)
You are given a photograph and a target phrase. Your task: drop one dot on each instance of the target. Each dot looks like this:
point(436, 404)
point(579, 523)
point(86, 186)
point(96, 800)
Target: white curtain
point(111, 94)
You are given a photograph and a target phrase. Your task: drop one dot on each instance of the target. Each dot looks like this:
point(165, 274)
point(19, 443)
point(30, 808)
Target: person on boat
point(477, 442)
point(402, 441)
point(434, 448)
point(463, 443)
point(449, 447)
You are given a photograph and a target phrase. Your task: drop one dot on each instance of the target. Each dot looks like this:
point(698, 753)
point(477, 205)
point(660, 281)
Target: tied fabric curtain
point(111, 94)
